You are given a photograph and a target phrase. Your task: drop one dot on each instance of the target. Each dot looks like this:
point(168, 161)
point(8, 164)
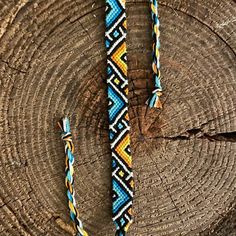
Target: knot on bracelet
point(154, 100)
point(66, 136)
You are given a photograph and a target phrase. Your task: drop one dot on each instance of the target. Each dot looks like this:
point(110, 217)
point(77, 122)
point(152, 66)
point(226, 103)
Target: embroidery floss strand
point(66, 136)
point(122, 174)
point(154, 100)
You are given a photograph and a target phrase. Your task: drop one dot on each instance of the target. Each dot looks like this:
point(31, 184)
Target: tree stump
point(53, 63)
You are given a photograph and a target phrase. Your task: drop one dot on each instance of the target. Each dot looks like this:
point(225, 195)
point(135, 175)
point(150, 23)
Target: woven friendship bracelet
point(122, 175)
point(69, 180)
point(154, 100)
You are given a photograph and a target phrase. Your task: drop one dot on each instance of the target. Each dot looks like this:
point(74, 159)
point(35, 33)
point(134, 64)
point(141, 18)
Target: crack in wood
point(12, 67)
point(198, 133)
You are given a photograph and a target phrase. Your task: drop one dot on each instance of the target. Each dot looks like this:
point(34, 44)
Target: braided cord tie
point(66, 136)
point(154, 100)
point(122, 174)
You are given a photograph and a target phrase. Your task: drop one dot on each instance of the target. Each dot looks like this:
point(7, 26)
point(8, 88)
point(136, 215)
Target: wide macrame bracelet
point(119, 127)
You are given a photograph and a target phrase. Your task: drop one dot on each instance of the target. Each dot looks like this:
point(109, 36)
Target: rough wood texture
point(52, 63)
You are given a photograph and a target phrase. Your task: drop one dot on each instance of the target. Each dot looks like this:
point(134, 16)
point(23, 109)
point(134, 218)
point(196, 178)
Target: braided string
point(154, 100)
point(66, 136)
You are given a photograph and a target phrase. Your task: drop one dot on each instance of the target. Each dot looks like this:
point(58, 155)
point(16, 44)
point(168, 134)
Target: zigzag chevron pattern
point(122, 175)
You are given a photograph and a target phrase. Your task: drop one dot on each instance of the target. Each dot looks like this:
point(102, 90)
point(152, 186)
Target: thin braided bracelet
point(122, 174)
point(154, 100)
point(69, 180)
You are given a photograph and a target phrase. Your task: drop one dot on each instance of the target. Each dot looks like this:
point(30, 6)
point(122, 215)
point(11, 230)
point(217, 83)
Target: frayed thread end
point(154, 100)
point(64, 124)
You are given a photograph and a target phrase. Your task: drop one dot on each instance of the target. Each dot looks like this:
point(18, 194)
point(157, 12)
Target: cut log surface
point(53, 63)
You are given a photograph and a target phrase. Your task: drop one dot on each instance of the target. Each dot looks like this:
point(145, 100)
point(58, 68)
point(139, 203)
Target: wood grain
point(53, 62)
